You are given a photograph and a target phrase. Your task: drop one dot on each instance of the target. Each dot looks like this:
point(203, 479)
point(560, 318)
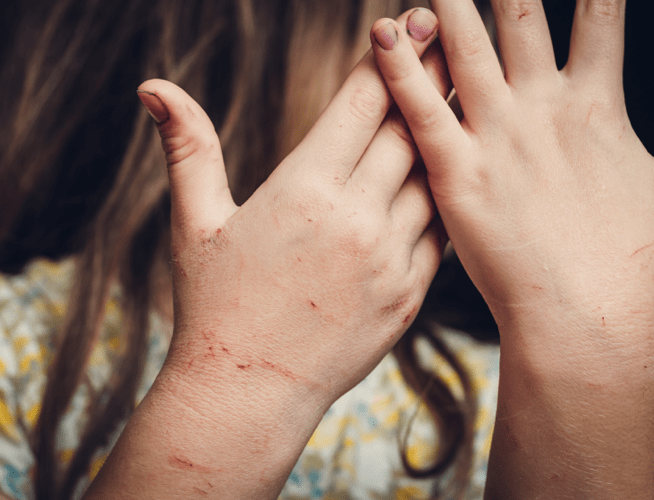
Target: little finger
point(414, 208)
point(597, 42)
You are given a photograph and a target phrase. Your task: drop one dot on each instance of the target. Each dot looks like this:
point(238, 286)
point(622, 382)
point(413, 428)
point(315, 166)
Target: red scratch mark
point(641, 249)
point(284, 372)
point(243, 367)
point(408, 316)
point(190, 363)
point(214, 238)
point(225, 349)
point(181, 269)
point(200, 491)
point(186, 464)
point(313, 304)
point(537, 287)
point(393, 306)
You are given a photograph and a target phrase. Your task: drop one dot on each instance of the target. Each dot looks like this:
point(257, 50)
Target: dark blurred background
point(639, 58)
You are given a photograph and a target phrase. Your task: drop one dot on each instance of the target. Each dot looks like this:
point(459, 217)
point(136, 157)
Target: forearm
point(209, 439)
point(574, 417)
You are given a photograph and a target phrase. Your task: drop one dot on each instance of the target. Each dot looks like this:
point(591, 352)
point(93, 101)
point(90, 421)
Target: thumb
point(200, 196)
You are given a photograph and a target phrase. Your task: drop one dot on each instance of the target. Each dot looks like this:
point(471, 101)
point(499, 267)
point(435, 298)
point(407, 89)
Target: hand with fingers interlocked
point(285, 303)
point(340, 241)
point(547, 195)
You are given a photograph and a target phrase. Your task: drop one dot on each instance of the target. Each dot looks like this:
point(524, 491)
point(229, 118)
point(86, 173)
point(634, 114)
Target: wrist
point(209, 433)
point(574, 407)
point(577, 326)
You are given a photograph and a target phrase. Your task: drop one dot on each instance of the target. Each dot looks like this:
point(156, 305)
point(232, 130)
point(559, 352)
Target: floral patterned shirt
point(352, 455)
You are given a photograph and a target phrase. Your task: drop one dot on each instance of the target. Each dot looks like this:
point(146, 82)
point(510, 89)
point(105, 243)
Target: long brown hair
point(82, 173)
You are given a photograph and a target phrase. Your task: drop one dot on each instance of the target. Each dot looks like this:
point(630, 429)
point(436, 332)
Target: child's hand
point(545, 190)
point(548, 197)
point(313, 280)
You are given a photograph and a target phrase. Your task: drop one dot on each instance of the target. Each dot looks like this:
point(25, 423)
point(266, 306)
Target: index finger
point(346, 127)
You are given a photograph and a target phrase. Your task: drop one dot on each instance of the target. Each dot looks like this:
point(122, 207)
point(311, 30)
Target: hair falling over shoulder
point(82, 173)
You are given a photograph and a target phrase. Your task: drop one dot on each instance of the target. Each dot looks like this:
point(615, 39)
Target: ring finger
point(414, 209)
point(524, 40)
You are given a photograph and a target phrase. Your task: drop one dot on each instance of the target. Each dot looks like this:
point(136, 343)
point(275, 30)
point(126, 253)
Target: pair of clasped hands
point(543, 188)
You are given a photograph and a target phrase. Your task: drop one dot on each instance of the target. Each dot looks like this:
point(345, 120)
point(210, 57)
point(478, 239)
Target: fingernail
point(386, 36)
point(421, 24)
point(153, 105)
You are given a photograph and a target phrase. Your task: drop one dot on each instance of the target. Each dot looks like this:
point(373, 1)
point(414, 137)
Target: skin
point(547, 195)
point(283, 304)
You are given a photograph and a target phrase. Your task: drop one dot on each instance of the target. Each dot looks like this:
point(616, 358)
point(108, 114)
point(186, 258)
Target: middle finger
point(471, 59)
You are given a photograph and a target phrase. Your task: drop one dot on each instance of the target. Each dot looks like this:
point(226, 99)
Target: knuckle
point(366, 104)
point(429, 120)
point(519, 10)
point(405, 302)
point(357, 240)
point(401, 71)
point(179, 149)
point(465, 45)
point(606, 12)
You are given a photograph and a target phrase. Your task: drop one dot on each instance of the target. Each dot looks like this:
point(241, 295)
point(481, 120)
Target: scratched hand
point(307, 285)
point(546, 192)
